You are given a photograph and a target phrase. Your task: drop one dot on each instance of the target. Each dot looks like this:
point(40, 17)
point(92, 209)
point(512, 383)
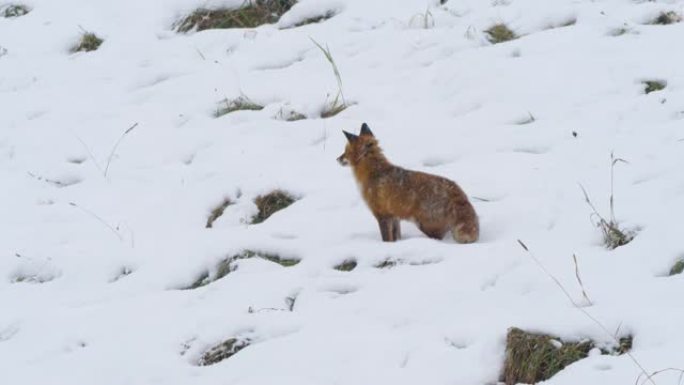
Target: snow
point(441, 100)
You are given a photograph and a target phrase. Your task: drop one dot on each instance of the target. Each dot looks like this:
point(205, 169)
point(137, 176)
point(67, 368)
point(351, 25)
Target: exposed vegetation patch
point(499, 33)
point(229, 265)
point(333, 108)
point(89, 42)
point(14, 10)
point(289, 115)
point(570, 21)
point(270, 203)
point(346, 265)
point(315, 19)
point(241, 103)
point(532, 358)
point(217, 211)
point(222, 351)
point(387, 264)
point(677, 268)
point(251, 14)
point(654, 85)
point(124, 271)
point(666, 18)
point(339, 103)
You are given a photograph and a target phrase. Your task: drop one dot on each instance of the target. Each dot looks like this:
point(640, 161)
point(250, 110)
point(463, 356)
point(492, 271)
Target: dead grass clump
point(89, 42)
point(241, 103)
point(222, 351)
point(217, 212)
point(665, 18)
point(270, 203)
point(499, 33)
point(532, 358)
point(15, 10)
point(654, 85)
point(346, 265)
point(251, 14)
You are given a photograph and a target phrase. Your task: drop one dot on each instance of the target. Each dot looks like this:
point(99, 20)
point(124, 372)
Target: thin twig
point(92, 214)
point(584, 311)
point(111, 154)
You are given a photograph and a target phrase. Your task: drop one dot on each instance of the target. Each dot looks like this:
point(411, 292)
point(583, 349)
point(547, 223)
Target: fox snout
point(342, 160)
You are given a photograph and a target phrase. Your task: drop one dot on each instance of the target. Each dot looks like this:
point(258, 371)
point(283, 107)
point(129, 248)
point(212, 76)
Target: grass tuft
point(346, 265)
point(532, 358)
point(222, 351)
point(666, 18)
point(217, 212)
point(15, 10)
point(270, 203)
point(339, 103)
point(499, 33)
point(613, 235)
point(315, 19)
point(89, 42)
point(654, 86)
point(677, 268)
point(251, 14)
point(241, 103)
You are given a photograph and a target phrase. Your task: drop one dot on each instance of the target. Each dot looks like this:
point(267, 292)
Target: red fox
point(437, 205)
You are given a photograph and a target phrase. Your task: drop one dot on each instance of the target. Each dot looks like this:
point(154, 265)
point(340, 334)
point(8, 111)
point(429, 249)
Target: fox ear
point(365, 130)
point(350, 137)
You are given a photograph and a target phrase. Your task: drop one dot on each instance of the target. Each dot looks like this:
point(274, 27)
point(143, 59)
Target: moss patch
point(241, 103)
point(665, 18)
point(532, 358)
point(270, 203)
point(654, 85)
point(89, 42)
point(499, 33)
point(251, 14)
point(217, 212)
point(347, 265)
point(677, 268)
point(222, 351)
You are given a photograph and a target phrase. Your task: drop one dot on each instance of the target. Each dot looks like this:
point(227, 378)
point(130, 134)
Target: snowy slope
point(442, 100)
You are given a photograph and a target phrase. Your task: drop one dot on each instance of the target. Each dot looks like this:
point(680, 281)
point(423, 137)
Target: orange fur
point(436, 204)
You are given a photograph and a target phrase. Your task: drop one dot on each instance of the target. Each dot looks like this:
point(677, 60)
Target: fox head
point(358, 146)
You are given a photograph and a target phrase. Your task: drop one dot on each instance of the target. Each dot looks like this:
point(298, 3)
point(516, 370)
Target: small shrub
point(665, 18)
point(217, 212)
point(532, 358)
point(677, 268)
point(15, 10)
point(251, 14)
point(241, 103)
point(222, 351)
point(347, 265)
point(499, 33)
point(270, 203)
point(89, 42)
point(654, 85)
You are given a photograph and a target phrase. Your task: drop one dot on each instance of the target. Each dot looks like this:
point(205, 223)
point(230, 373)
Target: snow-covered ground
point(75, 214)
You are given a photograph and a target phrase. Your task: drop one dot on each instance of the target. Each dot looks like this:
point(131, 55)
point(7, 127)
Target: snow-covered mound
point(111, 162)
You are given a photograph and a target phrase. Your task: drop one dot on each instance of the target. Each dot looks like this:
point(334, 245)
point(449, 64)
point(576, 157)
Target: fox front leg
point(396, 229)
point(386, 229)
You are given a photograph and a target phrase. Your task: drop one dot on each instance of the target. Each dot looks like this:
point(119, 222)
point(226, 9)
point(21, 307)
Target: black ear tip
point(365, 130)
point(349, 135)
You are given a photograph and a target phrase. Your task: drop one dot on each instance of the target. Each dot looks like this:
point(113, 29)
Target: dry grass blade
point(328, 56)
point(116, 145)
point(579, 280)
point(99, 219)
